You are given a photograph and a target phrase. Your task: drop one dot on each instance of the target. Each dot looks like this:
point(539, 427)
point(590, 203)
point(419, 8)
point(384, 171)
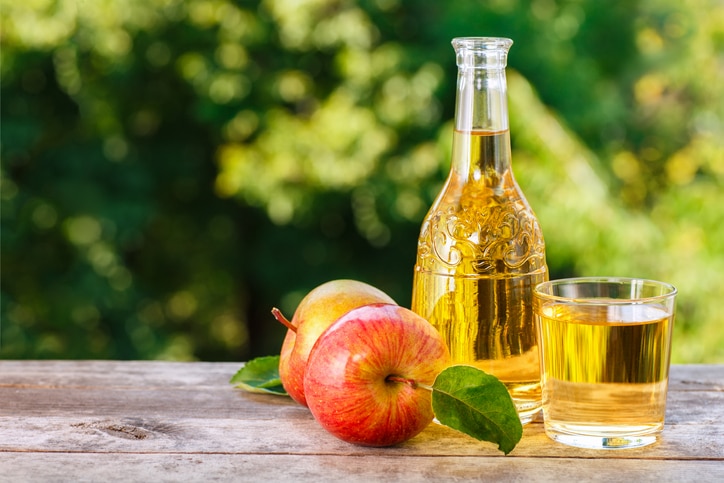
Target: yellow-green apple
point(369, 374)
point(315, 313)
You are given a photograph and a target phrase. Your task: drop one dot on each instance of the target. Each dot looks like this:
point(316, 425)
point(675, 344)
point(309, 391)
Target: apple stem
point(280, 317)
point(410, 382)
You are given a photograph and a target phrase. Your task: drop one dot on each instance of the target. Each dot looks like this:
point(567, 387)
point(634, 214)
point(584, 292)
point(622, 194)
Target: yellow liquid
point(487, 323)
point(480, 254)
point(605, 372)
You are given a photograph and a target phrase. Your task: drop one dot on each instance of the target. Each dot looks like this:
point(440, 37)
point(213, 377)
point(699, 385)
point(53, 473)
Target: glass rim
point(670, 290)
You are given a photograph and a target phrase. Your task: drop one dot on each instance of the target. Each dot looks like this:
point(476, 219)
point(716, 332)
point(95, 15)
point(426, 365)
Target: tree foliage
point(173, 169)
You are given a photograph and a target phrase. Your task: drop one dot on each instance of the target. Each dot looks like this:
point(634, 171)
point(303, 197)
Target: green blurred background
point(173, 169)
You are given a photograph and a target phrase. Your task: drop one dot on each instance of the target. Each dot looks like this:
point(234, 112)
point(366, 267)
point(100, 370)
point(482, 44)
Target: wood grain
point(166, 421)
point(72, 468)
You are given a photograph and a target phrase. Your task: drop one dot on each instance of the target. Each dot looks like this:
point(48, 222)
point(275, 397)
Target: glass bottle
point(481, 250)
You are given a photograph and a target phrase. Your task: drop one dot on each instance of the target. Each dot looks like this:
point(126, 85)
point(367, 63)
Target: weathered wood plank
point(157, 403)
point(690, 407)
point(304, 436)
point(162, 420)
point(125, 374)
point(121, 374)
point(81, 468)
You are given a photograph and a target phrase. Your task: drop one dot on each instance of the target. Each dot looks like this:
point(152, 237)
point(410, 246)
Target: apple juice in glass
point(605, 348)
point(481, 252)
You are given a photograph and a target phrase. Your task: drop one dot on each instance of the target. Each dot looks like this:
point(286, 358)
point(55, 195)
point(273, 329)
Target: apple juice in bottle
point(481, 250)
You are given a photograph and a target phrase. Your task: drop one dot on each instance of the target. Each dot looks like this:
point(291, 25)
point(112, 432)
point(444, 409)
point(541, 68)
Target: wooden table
point(102, 421)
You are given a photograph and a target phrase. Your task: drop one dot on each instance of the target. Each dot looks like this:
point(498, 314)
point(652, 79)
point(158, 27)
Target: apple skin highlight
point(347, 382)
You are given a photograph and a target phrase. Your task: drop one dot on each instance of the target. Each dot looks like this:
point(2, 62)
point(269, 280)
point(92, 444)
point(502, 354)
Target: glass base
point(591, 440)
point(528, 414)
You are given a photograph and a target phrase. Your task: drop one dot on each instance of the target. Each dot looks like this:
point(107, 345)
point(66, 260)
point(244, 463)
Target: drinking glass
point(605, 346)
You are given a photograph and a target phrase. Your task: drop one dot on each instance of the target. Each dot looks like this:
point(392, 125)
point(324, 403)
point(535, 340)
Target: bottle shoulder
point(471, 195)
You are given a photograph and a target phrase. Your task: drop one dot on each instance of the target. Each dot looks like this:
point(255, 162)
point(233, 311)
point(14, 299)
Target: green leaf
point(478, 404)
point(260, 375)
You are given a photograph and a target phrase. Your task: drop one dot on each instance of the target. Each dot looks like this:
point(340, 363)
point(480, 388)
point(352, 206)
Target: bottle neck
point(481, 142)
point(482, 103)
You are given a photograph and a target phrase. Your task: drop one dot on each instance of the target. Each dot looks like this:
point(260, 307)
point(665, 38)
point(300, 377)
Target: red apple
point(315, 313)
point(364, 374)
